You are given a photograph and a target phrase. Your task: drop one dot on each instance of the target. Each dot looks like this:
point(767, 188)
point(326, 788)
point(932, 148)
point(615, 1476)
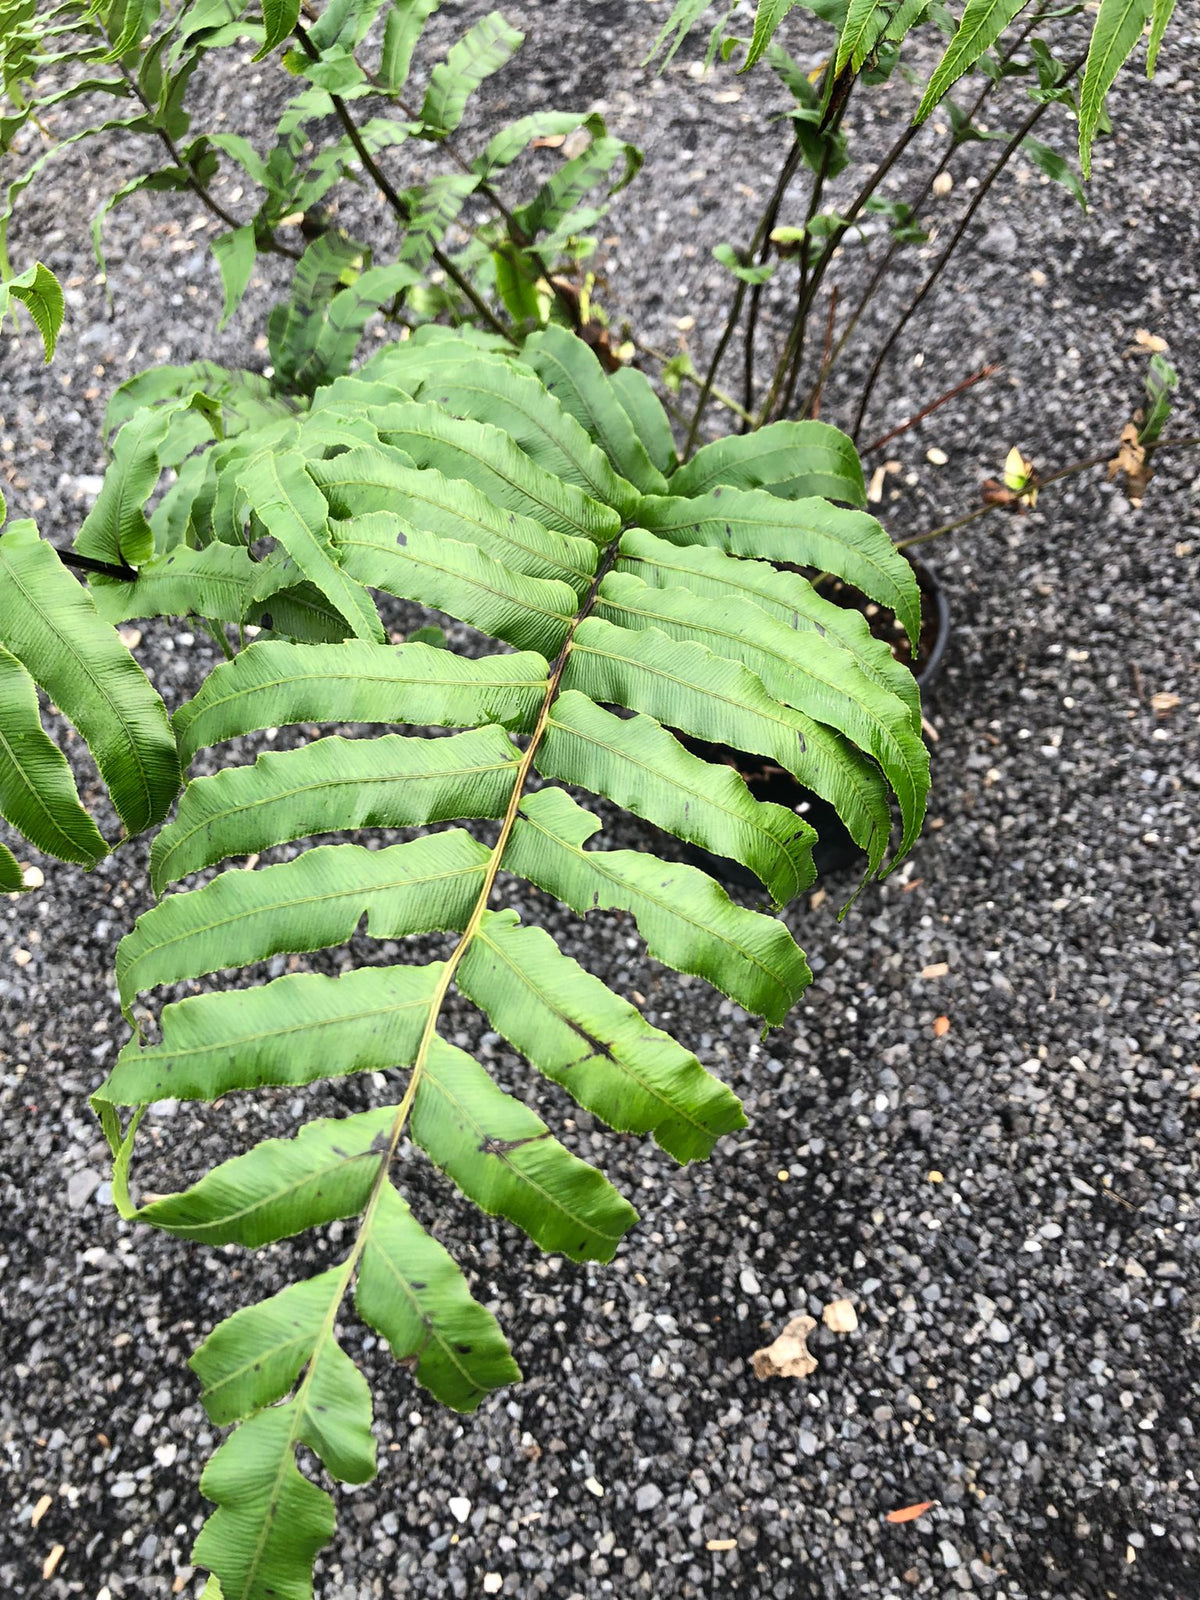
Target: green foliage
point(1163, 12)
point(11, 879)
point(53, 638)
point(40, 292)
point(862, 30)
point(766, 19)
point(824, 147)
point(619, 607)
point(982, 23)
point(484, 49)
point(1162, 380)
point(625, 608)
point(1119, 26)
point(745, 271)
point(868, 29)
point(318, 146)
point(676, 29)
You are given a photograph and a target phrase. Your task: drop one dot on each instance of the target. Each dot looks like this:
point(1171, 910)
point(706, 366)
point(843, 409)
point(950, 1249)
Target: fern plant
point(461, 249)
point(1001, 43)
point(871, 32)
point(620, 599)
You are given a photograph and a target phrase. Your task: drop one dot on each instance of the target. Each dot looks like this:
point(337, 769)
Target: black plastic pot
point(834, 849)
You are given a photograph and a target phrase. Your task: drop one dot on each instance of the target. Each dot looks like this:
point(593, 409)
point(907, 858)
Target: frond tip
point(634, 605)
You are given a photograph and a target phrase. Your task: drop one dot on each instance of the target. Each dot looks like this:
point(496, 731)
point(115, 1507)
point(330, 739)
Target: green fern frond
point(12, 879)
point(982, 23)
point(864, 25)
point(54, 639)
point(634, 608)
point(1119, 26)
point(482, 50)
point(1164, 10)
point(866, 21)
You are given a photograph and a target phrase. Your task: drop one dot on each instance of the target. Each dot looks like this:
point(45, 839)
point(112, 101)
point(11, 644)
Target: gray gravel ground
point(1010, 1203)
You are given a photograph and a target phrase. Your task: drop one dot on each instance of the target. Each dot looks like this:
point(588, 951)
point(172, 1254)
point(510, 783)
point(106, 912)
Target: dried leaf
point(1130, 454)
point(911, 1513)
point(995, 494)
point(1150, 341)
point(839, 1316)
point(788, 1356)
point(1131, 460)
point(1163, 702)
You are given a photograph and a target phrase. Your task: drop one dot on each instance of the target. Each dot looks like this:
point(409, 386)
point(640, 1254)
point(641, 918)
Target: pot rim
point(929, 581)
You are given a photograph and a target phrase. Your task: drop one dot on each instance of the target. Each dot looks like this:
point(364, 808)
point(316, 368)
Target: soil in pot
point(834, 849)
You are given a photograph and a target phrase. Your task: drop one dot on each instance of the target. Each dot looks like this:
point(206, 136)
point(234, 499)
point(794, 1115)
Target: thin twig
point(396, 201)
point(815, 409)
point(707, 387)
point(762, 243)
point(843, 88)
point(806, 262)
point(868, 189)
point(934, 405)
point(718, 395)
point(1182, 443)
point(915, 206)
point(193, 182)
point(1010, 149)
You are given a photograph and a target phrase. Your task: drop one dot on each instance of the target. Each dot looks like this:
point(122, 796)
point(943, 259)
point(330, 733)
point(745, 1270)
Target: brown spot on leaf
point(501, 1147)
